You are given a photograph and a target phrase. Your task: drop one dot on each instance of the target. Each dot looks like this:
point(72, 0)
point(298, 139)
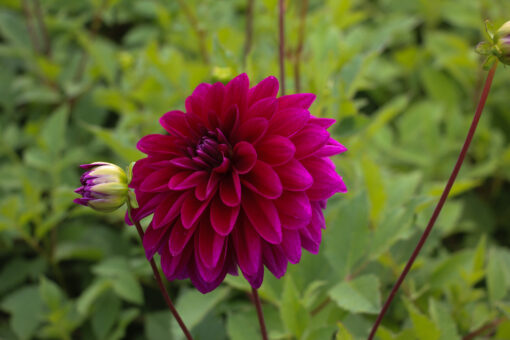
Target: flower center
point(212, 148)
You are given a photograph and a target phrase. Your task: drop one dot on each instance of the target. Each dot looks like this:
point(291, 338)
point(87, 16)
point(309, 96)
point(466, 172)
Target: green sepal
point(489, 28)
point(130, 172)
point(484, 48)
point(489, 62)
point(132, 200)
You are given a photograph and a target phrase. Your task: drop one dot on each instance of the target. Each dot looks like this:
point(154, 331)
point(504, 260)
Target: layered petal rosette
point(239, 181)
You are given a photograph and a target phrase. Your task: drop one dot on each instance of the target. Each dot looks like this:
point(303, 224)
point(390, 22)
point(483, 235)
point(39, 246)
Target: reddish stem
point(249, 31)
point(441, 202)
point(157, 276)
point(260, 315)
point(281, 26)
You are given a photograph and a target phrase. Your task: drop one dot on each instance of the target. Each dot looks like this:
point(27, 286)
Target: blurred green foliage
point(82, 81)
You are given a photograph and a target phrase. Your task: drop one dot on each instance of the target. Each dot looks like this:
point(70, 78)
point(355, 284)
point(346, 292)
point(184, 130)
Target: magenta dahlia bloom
point(240, 180)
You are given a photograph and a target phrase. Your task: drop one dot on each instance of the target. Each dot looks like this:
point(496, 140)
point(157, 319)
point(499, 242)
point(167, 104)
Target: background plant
point(84, 80)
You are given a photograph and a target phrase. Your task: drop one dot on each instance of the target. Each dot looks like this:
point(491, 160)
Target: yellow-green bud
point(502, 43)
point(104, 187)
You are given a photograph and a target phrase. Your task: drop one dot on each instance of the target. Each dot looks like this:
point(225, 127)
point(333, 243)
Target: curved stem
point(160, 282)
point(260, 314)
point(281, 32)
point(442, 199)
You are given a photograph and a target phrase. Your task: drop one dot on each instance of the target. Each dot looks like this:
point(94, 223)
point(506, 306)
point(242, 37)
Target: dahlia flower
point(502, 41)
point(239, 181)
point(104, 187)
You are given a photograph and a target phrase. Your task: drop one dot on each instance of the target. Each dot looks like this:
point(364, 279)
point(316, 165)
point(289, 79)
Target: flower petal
point(247, 244)
point(288, 121)
point(266, 88)
point(331, 148)
point(275, 150)
point(210, 244)
point(223, 217)
point(244, 157)
point(152, 240)
point(168, 209)
point(298, 100)
point(230, 189)
point(158, 144)
point(294, 176)
point(310, 139)
point(263, 216)
point(294, 208)
point(326, 182)
point(187, 179)
point(158, 180)
point(191, 210)
point(264, 108)
point(251, 131)
point(179, 237)
point(175, 267)
point(291, 245)
point(263, 180)
point(236, 93)
point(175, 123)
point(274, 259)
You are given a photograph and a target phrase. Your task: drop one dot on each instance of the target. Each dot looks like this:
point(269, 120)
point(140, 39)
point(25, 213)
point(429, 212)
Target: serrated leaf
point(360, 295)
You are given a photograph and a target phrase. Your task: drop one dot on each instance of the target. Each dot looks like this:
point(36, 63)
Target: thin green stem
point(281, 34)
point(444, 196)
point(157, 276)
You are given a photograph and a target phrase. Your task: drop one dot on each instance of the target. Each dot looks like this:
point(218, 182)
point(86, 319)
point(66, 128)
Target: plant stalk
point(281, 32)
point(157, 276)
point(442, 199)
point(260, 314)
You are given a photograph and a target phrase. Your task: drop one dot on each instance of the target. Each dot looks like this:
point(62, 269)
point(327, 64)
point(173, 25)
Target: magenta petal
point(158, 144)
point(179, 237)
point(264, 108)
point(310, 139)
point(230, 190)
point(322, 122)
point(294, 208)
point(291, 245)
point(247, 245)
point(251, 130)
point(274, 259)
point(185, 180)
point(210, 244)
point(214, 98)
point(167, 210)
point(191, 210)
point(294, 176)
point(184, 163)
point(236, 93)
point(223, 217)
point(266, 88)
point(331, 148)
point(326, 182)
point(152, 240)
point(157, 181)
point(263, 180)
point(174, 122)
point(298, 100)
point(288, 121)
point(263, 216)
point(244, 157)
point(175, 267)
point(275, 150)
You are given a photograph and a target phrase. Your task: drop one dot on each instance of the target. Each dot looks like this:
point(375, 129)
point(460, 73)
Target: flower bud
point(502, 43)
point(104, 187)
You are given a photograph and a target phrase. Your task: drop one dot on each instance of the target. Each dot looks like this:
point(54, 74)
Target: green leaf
point(360, 295)
point(51, 294)
point(243, 326)
point(106, 311)
point(125, 319)
point(90, 295)
point(374, 183)
point(424, 328)
point(126, 286)
point(158, 325)
point(193, 306)
point(496, 282)
point(25, 306)
point(294, 315)
point(343, 333)
point(53, 133)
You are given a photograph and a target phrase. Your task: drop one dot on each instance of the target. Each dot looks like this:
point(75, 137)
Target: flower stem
point(442, 199)
point(260, 315)
point(160, 282)
point(299, 49)
point(281, 29)
point(249, 31)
